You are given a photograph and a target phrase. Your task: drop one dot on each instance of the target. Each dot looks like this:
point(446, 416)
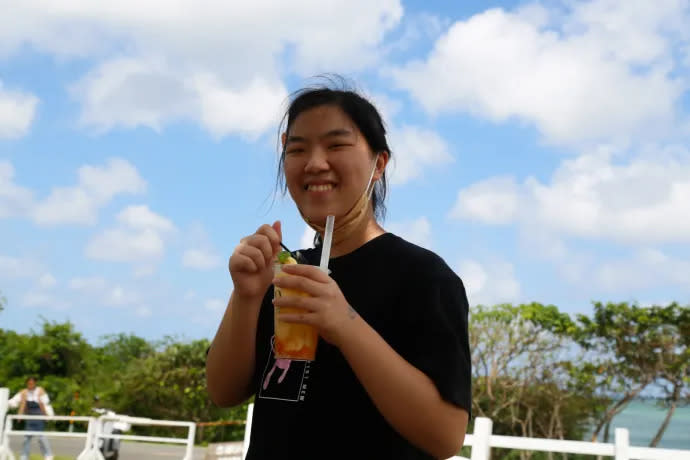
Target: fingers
point(299, 318)
point(274, 235)
point(301, 283)
point(305, 303)
point(259, 248)
point(247, 259)
point(307, 271)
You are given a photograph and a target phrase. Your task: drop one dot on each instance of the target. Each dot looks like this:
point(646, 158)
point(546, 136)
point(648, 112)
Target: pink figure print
point(283, 364)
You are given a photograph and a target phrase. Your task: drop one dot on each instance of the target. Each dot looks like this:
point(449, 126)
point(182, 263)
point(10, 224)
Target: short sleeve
point(44, 398)
point(435, 335)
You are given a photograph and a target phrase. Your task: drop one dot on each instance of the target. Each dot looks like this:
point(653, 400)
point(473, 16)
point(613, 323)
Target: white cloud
point(97, 186)
point(100, 291)
point(200, 259)
point(494, 201)
point(47, 281)
point(250, 110)
point(489, 283)
point(200, 254)
point(597, 195)
point(646, 268)
point(14, 200)
point(140, 238)
point(140, 217)
point(306, 241)
point(417, 231)
point(118, 296)
point(17, 112)
point(601, 71)
point(35, 299)
point(214, 304)
point(214, 47)
point(414, 149)
point(143, 312)
point(94, 283)
point(16, 267)
point(126, 245)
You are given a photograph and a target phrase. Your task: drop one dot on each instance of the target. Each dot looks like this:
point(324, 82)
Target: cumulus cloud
point(42, 299)
point(417, 231)
point(47, 281)
point(415, 149)
point(598, 195)
point(489, 283)
point(200, 254)
point(603, 70)
point(645, 268)
point(17, 112)
point(93, 283)
point(307, 239)
point(97, 185)
point(18, 267)
point(140, 237)
point(223, 76)
point(214, 304)
point(14, 199)
point(494, 201)
point(200, 259)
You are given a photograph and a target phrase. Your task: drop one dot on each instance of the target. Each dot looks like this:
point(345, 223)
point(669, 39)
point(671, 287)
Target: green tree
point(630, 343)
point(170, 384)
point(522, 378)
point(3, 302)
point(674, 349)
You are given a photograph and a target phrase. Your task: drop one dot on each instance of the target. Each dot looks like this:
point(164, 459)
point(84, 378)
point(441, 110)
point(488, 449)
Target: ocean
point(643, 418)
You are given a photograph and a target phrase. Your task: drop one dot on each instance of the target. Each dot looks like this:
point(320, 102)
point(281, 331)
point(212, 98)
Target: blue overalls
point(34, 408)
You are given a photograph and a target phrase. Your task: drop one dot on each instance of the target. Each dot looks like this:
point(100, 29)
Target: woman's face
point(327, 164)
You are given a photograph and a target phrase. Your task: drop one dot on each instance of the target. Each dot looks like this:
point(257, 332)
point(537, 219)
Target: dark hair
point(335, 92)
point(31, 377)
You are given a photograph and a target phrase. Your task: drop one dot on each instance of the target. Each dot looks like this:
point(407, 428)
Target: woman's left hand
point(325, 308)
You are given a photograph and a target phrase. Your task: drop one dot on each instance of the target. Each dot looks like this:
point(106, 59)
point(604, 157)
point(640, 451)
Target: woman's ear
point(381, 162)
point(283, 139)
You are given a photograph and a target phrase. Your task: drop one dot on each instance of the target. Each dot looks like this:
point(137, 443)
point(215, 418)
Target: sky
point(540, 148)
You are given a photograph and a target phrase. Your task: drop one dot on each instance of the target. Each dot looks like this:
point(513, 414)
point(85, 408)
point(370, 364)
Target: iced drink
point(291, 341)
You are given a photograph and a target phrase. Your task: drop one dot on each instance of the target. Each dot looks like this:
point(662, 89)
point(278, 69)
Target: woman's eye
point(295, 150)
point(338, 146)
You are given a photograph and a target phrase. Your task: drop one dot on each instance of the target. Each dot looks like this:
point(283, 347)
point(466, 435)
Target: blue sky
point(539, 147)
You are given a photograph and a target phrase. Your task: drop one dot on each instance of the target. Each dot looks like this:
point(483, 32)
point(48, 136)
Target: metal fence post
point(481, 450)
point(622, 444)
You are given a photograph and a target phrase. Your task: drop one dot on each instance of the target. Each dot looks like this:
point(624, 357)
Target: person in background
point(33, 400)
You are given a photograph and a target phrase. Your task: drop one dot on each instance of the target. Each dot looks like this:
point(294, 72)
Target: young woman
point(33, 400)
point(391, 378)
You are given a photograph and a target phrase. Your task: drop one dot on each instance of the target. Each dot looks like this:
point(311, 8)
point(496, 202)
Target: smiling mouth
point(319, 187)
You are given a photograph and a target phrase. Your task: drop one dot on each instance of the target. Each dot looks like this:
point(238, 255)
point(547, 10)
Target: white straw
point(326, 247)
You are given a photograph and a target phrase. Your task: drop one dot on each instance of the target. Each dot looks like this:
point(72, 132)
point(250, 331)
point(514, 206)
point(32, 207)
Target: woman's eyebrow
point(341, 132)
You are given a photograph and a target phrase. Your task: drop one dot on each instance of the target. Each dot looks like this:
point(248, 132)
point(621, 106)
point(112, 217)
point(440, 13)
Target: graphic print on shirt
point(284, 379)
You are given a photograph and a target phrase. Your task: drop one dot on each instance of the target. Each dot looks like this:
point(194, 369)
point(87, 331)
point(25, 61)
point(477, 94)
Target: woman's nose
point(317, 161)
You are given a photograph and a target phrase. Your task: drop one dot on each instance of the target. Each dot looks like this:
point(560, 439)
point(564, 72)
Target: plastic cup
point(292, 341)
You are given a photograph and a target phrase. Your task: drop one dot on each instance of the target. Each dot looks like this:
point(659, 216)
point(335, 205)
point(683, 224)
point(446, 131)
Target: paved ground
point(128, 451)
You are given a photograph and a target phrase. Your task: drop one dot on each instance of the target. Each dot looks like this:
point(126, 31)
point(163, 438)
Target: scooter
point(110, 448)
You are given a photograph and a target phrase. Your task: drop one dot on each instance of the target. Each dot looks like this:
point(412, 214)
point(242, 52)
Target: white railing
point(482, 440)
point(93, 433)
point(6, 452)
point(188, 440)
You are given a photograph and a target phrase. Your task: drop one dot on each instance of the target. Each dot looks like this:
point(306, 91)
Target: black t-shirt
point(319, 409)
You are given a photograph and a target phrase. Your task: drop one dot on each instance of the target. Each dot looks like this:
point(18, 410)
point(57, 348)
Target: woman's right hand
point(251, 263)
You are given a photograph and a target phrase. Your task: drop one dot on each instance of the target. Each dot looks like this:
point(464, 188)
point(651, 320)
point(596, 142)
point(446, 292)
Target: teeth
point(320, 188)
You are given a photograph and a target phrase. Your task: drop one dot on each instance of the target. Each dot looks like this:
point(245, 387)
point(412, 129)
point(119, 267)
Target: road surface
point(128, 451)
